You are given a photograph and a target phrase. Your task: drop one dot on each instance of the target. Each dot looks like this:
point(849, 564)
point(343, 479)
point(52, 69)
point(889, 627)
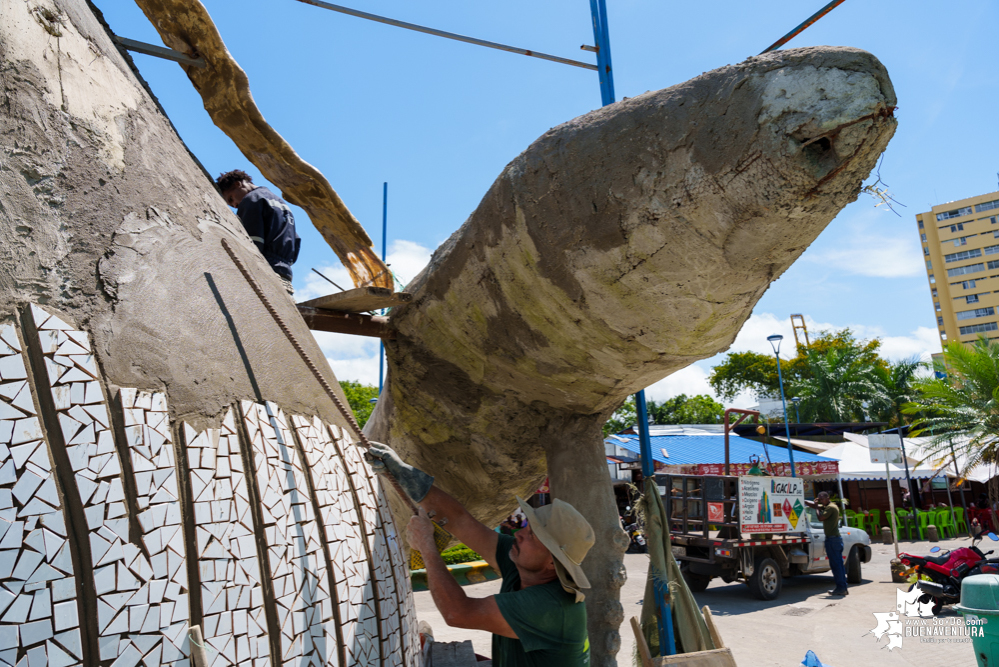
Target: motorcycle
point(946, 571)
point(638, 545)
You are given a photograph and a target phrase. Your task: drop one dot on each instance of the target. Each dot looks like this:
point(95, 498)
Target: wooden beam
point(360, 300)
point(355, 324)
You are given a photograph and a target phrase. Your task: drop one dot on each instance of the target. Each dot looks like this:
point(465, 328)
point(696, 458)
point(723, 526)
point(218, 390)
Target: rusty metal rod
point(347, 414)
point(446, 35)
point(801, 28)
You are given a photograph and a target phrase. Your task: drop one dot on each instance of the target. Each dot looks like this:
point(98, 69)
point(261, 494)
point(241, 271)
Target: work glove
point(413, 481)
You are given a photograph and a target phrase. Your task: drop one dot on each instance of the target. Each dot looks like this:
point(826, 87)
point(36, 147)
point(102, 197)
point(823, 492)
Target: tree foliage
point(835, 386)
point(682, 409)
point(755, 372)
point(962, 397)
point(359, 396)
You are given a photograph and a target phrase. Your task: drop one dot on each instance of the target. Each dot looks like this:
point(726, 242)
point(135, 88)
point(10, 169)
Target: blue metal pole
point(644, 441)
point(381, 344)
point(606, 50)
point(787, 429)
point(601, 39)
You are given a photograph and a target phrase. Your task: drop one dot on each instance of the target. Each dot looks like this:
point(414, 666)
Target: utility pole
point(381, 343)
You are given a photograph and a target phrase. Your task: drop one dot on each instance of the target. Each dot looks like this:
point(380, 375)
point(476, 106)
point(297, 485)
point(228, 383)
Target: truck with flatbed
point(713, 534)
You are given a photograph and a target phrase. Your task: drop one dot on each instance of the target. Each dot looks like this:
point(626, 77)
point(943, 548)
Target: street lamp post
point(797, 417)
point(774, 341)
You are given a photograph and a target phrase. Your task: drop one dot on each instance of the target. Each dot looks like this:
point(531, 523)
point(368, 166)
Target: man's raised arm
point(418, 485)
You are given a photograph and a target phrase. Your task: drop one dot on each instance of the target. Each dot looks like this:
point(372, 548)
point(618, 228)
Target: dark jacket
point(269, 222)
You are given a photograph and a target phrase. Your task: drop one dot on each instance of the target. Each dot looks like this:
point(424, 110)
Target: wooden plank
point(719, 657)
point(357, 324)
point(452, 654)
point(709, 620)
point(359, 300)
point(643, 646)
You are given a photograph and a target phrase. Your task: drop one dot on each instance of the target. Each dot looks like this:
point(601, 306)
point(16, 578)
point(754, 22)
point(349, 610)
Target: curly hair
point(231, 178)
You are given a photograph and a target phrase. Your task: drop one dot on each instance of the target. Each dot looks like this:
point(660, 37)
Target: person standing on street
point(267, 219)
point(538, 618)
point(828, 514)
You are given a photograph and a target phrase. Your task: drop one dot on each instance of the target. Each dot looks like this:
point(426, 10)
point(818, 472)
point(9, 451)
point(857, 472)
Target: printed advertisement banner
point(771, 504)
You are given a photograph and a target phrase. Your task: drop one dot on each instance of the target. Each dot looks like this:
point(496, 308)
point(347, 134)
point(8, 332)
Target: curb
point(464, 573)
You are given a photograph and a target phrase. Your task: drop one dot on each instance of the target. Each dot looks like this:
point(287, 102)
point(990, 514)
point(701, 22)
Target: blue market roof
point(693, 449)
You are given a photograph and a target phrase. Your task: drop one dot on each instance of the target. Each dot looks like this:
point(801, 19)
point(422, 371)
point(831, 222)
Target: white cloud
point(863, 251)
point(405, 258)
point(356, 357)
point(363, 370)
point(693, 379)
point(753, 337)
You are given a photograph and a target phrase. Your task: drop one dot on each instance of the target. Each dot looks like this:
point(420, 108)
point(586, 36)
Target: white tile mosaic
point(140, 571)
point(36, 567)
point(235, 626)
point(299, 576)
point(131, 630)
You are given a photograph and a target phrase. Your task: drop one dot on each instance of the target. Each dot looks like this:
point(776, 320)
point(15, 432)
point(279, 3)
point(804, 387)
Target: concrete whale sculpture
point(620, 247)
point(164, 460)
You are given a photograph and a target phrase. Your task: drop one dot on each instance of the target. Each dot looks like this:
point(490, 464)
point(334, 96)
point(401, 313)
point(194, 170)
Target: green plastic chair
point(922, 521)
point(945, 522)
point(959, 521)
point(905, 522)
point(853, 519)
point(874, 521)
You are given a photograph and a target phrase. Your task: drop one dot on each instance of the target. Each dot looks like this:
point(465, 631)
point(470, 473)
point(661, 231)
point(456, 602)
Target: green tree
point(836, 384)
point(683, 409)
point(752, 371)
point(898, 385)
point(622, 418)
point(359, 396)
point(961, 398)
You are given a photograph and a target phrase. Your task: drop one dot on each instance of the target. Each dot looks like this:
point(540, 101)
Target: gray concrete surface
point(779, 633)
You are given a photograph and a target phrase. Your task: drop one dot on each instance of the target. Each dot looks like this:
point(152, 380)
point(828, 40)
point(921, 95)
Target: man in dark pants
point(267, 219)
point(538, 619)
point(828, 514)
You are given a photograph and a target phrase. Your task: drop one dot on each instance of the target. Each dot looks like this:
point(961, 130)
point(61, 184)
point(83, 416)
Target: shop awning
point(709, 450)
point(855, 463)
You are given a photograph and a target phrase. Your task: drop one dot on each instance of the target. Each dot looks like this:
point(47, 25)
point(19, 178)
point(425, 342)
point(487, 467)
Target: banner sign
point(885, 448)
point(771, 504)
point(806, 468)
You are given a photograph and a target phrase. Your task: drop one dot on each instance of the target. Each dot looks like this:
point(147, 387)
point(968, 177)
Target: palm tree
point(962, 397)
point(898, 387)
point(837, 385)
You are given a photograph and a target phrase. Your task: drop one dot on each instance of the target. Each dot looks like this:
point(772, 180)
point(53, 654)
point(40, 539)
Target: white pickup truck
point(717, 549)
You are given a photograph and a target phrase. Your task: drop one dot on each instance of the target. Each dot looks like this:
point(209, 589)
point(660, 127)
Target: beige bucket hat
point(568, 536)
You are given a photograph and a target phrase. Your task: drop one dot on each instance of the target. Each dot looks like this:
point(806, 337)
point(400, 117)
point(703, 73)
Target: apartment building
point(960, 241)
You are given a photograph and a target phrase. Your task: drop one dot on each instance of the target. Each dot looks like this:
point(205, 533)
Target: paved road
point(779, 633)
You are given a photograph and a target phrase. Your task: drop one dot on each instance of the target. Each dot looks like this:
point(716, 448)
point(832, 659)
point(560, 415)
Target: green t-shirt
point(550, 624)
point(829, 516)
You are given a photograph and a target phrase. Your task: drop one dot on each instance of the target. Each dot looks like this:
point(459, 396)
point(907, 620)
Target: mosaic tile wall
point(107, 509)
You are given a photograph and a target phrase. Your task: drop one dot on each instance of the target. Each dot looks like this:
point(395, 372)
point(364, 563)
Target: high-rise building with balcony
point(960, 241)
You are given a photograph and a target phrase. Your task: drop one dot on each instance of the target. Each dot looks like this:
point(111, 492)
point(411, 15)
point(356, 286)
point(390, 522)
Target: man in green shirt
point(538, 619)
point(828, 514)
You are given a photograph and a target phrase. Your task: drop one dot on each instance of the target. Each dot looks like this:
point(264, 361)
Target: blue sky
point(438, 120)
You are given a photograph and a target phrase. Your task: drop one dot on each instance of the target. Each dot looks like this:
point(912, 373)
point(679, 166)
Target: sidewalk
point(778, 633)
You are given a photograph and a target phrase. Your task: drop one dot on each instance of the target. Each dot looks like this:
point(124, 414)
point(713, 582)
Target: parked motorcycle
point(638, 544)
point(946, 571)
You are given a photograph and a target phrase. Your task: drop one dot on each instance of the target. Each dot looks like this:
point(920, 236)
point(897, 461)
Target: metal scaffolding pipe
point(446, 35)
point(801, 27)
